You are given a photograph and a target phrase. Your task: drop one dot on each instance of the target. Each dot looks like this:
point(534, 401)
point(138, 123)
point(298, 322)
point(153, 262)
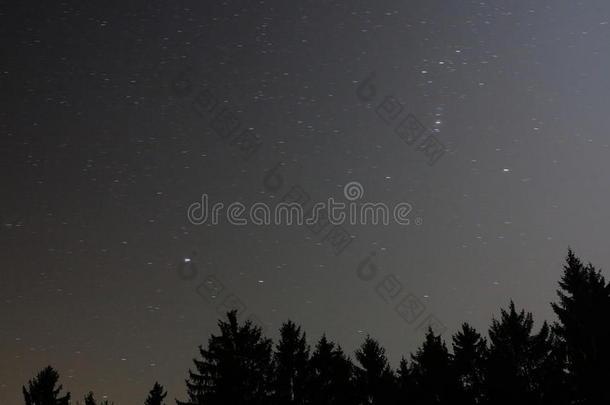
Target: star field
point(104, 147)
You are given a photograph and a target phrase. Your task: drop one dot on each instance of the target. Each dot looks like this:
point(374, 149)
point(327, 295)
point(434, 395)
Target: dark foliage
point(584, 330)
point(42, 389)
point(469, 357)
point(235, 369)
point(330, 375)
point(433, 375)
point(563, 364)
point(90, 399)
point(291, 359)
point(373, 376)
point(156, 395)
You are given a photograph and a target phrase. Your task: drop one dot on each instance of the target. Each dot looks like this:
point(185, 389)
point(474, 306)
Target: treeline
point(567, 362)
point(44, 390)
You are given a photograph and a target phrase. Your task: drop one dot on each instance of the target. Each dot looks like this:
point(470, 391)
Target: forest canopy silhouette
point(566, 362)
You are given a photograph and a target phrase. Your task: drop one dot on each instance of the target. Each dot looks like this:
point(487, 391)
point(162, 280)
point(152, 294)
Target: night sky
point(106, 142)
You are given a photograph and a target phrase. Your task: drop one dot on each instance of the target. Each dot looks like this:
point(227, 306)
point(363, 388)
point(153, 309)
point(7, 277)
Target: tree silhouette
point(515, 358)
point(405, 384)
point(156, 395)
point(330, 375)
point(41, 390)
point(552, 381)
point(373, 376)
point(469, 356)
point(434, 379)
point(583, 329)
point(291, 359)
point(234, 369)
point(566, 364)
point(90, 399)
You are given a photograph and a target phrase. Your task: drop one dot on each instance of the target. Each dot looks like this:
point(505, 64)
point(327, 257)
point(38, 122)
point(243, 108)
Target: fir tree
point(516, 357)
point(156, 395)
point(42, 391)
point(405, 387)
point(373, 376)
point(291, 366)
point(583, 329)
point(469, 355)
point(234, 369)
point(435, 382)
point(90, 399)
point(330, 376)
